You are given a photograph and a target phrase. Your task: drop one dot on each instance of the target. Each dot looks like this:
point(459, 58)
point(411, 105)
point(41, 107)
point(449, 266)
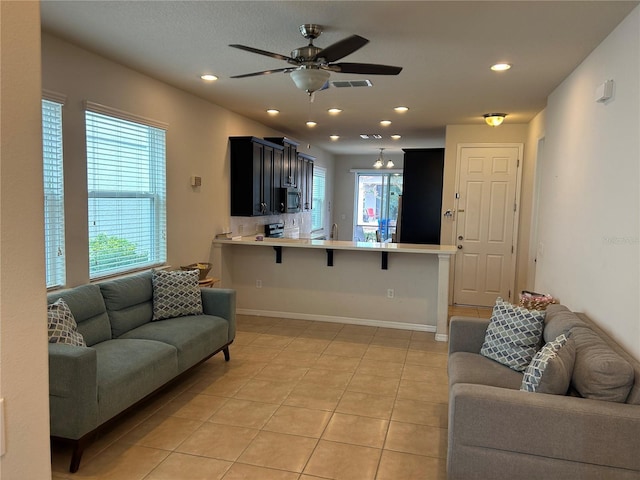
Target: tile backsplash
point(294, 223)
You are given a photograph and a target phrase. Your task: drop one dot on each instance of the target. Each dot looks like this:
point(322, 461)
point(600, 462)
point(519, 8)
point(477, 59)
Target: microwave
point(289, 200)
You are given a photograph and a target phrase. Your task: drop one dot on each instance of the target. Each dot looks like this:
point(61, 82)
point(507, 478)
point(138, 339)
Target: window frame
point(107, 166)
point(319, 205)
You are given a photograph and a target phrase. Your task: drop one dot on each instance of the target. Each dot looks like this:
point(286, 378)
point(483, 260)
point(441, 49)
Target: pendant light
point(379, 162)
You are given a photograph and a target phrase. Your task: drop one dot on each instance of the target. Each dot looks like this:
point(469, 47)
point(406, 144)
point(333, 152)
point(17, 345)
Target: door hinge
point(457, 195)
point(518, 164)
point(509, 294)
point(515, 207)
point(511, 248)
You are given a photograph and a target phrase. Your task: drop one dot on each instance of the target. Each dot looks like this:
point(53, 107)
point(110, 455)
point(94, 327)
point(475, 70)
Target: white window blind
point(53, 193)
point(127, 194)
point(319, 194)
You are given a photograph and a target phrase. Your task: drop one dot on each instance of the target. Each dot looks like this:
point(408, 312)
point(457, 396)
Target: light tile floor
point(299, 400)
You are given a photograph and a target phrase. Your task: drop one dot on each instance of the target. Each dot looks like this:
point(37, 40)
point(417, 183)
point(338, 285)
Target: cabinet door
point(258, 154)
point(309, 185)
point(267, 181)
point(278, 166)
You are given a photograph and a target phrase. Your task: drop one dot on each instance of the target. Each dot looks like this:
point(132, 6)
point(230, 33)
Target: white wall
point(197, 144)
point(24, 379)
point(589, 207)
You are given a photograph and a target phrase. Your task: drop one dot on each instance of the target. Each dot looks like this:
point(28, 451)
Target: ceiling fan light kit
point(494, 119)
point(310, 79)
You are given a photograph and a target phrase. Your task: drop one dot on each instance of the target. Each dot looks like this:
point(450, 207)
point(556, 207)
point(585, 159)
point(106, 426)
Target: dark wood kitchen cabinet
point(305, 183)
point(253, 167)
point(288, 168)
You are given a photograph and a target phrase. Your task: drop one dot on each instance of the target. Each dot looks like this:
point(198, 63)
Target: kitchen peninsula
point(392, 285)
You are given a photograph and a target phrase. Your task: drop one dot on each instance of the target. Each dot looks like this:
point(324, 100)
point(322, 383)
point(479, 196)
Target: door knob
point(459, 247)
point(460, 237)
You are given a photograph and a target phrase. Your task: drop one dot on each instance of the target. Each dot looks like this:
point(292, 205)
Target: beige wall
point(589, 209)
point(197, 144)
point(24, 379)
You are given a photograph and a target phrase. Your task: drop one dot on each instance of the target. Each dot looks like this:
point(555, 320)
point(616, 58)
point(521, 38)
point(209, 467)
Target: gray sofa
point(498, 432)
point(127, 357)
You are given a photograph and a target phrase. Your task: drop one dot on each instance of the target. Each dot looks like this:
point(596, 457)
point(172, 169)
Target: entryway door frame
point(516, 213)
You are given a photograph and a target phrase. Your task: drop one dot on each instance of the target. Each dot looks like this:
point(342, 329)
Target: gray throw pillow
point(175, 294)
point(599, 373)
point(551, 368)
point(62, 326)
point(513, 336)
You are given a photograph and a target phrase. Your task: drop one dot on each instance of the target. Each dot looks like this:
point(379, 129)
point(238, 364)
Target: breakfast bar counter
point(393, 285)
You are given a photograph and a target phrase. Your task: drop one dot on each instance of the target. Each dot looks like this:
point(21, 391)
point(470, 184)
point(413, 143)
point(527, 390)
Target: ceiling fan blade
point(265, 53)
point(365, 68)
point(264, 72)
point(341, 49)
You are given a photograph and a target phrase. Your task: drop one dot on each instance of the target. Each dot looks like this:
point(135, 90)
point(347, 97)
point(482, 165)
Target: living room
point(588, 209)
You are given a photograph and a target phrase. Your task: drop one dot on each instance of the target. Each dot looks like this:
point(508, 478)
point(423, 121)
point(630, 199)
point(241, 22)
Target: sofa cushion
point(513, 335)
point(467, 367)
point(599, 373)
point(62, 326)
point(87, 305)
point(551, 368)
point(559, 320)
point(128, 301)
point(175, 294)
point(130, 369)
point(192, 336)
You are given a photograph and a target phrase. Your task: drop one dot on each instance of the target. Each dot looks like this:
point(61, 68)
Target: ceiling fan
point(313, 65)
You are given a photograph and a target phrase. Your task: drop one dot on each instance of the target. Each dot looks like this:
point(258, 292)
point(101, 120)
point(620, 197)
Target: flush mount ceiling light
point(273, 111)
point(208, 77)
point(494, 119)
point(500, 67)
point(334, 111)
point(310, 79)
point(401, 109)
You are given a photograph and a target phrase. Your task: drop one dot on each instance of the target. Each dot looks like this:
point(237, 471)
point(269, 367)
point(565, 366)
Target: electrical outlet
point(258, 283)
point(390, 293)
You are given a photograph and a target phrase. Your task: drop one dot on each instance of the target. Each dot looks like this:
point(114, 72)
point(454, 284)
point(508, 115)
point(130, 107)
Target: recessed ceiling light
point(396, 136)
point(500, 67)
point(311, 124)
point(334, 111)
point(334, 137)
point(401, 109)
point(208, 77)
point(385, 123)
point(273, 111)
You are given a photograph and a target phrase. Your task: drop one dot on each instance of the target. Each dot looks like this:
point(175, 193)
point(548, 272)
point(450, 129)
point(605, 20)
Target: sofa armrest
point(551, 426)
point(466, 334)
point(221, 302)
point(73, 390)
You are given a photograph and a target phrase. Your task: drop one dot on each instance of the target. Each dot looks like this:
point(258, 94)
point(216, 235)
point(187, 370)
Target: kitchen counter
point(295, 282)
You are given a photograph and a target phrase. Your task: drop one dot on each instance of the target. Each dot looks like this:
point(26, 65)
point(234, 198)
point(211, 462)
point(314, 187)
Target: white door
point(485, 224)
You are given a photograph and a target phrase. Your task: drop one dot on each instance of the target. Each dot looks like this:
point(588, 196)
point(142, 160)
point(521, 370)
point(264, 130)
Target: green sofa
point(128, 356)
point(496, 431)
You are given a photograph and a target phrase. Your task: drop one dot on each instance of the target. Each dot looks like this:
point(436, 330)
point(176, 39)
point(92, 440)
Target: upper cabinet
point(288, 169)
point(254, 166)
point(305, 180)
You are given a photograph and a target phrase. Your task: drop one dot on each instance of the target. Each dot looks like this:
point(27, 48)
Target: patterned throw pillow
point(62, 326)
point(175, 294)
point(513, 336)
point(551, 368)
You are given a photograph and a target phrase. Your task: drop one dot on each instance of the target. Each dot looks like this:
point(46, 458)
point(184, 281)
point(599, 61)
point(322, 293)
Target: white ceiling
point(445, 47)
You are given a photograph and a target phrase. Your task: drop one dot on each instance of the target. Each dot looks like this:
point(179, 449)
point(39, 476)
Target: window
point(127, 192)
point(53, 193)
point(376, 209)
point(318, 200)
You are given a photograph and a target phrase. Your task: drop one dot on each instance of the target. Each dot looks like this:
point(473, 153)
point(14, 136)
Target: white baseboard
point(442, 337)
point(348, 320)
